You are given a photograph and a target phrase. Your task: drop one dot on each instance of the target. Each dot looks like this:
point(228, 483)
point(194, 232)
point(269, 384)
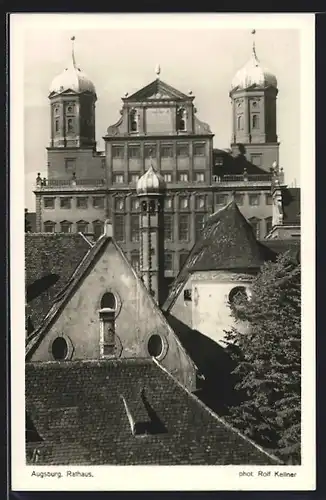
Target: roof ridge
point(217, 417)
point(100, 362)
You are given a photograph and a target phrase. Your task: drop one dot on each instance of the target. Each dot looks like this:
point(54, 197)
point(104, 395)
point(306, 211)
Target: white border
point(153, 477)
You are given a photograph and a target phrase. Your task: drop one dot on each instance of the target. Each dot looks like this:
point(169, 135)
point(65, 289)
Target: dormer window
point(133, 120)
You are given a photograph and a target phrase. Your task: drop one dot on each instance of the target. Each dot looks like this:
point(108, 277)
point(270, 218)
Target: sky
point(122, 57)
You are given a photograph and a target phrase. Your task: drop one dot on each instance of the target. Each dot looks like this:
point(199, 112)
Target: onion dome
point(253, 74)
point(72, 78)
point(151, 182)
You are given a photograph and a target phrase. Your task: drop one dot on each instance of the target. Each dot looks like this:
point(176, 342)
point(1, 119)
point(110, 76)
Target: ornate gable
point(158, 90)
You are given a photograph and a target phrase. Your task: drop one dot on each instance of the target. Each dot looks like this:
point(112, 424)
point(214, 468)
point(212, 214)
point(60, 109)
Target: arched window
point(70, 124)
point(255, 121)
point(108, 301)
point(56, 125)
point(133, 120)
point(181, 120)
point(239, 122)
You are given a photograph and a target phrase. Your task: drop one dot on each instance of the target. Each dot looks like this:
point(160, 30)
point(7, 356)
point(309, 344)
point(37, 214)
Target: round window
point(59, 349)
point(155, 346)
point(237, 293)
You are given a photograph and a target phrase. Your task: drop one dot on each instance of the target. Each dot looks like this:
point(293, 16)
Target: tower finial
point(73, 50)
point(158, 70)
point(253, 32)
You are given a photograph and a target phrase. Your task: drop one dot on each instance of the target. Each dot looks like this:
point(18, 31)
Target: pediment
point(158, 90)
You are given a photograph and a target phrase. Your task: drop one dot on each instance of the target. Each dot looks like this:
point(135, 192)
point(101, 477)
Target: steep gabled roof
point(227, 243)
point(84, 411)
point(50, 260)
point(158, 90)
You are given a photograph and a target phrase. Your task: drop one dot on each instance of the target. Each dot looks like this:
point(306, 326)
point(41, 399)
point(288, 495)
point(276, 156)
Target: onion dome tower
point(151, 189)
point(253, 97)
point(72, 98)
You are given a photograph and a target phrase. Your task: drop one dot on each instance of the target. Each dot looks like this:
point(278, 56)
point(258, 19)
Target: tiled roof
point(80, 411)
point(281, 246)
point(234, 165)
point(50, 260)
point(291, 206)
point(227, 243)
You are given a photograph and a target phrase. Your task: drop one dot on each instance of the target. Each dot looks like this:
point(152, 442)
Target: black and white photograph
point(163, 281)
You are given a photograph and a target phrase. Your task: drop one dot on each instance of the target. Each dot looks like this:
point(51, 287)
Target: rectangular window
point(183, 227)
point(134, 204)
point(183, 202)
point(221, 199)
point(98, 202)
point(134, 228)
point(168, 203)
point(183, 149)
point(199, 177)
point(254, 200)
point(269, 199)
point(187, 295)
point(199, 149)
point(65, 203)
point(199, 225)
point(133, 178)
point(81, 202)
point(183, 177)
point(65, 227)
point(134, 151)
point(119, 204)
point(168, 177)
point(49, 202)
point(166, 151)
point(82, 227)
point(150, 151)
point(118, 179)
point(168, 261)
point(269, 224)
point(239, 198)
point(70, 165)
point(168, 227)
point(256, 160)
point(118, 152)
point(135, 261)
point(200, 202)
point(108, 340)
point(49, 227)
point(119, 228)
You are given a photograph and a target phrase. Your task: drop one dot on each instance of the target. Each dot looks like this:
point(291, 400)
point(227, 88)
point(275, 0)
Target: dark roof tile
point(78, 411)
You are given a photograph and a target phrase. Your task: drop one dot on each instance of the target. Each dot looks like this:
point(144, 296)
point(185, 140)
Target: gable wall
point(137, 318)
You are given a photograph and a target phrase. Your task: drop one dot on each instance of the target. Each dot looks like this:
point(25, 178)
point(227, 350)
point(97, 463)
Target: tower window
point(199, 225)
point(70, 125)
point(168, 261)
point(56, 126)
point(98, 202)
point(108, 301)
point(183, 150)
point(97, 229)
point(168, 227)
point(49, 203)
point(181, 119)
point(70, 165)
point(59, 349)
point(133, 120)
point(134, 228)
point(65, 227)
point(240, 122)
point(269, 199)
point(255, 121)
point(183, 227)
point(200, 202)
point(119, 228)
point(49, 227)
point(256, 160)
point(199, 149)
